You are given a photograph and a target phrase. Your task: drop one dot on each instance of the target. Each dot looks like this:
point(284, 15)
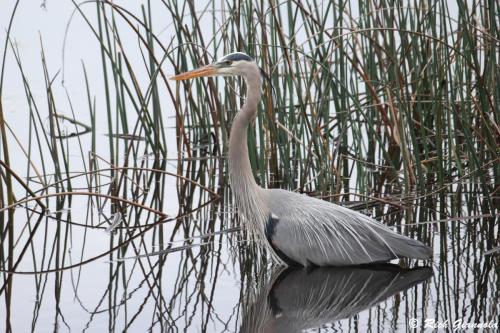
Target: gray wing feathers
point(313, 231)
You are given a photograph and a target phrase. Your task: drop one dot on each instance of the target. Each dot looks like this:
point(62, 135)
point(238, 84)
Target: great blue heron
point(295, 228)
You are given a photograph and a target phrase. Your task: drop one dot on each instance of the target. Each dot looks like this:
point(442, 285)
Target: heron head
point(237, 63)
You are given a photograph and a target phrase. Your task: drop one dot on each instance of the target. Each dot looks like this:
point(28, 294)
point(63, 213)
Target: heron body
point(295, 228)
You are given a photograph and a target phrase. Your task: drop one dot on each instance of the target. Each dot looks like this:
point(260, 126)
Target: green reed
point(382, 99)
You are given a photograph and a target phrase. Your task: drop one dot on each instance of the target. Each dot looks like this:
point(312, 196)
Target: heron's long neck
point(242, 181)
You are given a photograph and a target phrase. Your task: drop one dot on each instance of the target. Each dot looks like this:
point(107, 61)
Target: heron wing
point(312, 231)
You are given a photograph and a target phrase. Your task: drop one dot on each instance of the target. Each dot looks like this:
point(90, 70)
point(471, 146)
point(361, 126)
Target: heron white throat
point(295, 228)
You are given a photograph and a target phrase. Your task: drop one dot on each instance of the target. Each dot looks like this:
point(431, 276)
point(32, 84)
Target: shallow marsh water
point(152, 242)
point(220, 283)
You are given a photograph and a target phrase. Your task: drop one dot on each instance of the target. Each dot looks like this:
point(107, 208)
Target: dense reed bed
point(387, 106)
point(374, 98)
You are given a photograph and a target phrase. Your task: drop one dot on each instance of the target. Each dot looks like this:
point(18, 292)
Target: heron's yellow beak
point(199, 72)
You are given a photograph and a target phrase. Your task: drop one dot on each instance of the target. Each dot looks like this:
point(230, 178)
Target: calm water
point(170, 255)
point(219, 282)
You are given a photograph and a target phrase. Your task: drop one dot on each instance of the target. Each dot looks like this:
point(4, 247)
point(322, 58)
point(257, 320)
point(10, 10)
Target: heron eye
point(228, 62)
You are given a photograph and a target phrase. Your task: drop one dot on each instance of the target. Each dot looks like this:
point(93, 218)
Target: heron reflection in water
point(297, 229)
point(298, 298)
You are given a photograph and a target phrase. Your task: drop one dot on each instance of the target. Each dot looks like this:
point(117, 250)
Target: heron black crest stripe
point(237, 56)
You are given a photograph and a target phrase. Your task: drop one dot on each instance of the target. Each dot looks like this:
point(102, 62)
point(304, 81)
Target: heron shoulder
point(270, 232)
point(272, 223)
